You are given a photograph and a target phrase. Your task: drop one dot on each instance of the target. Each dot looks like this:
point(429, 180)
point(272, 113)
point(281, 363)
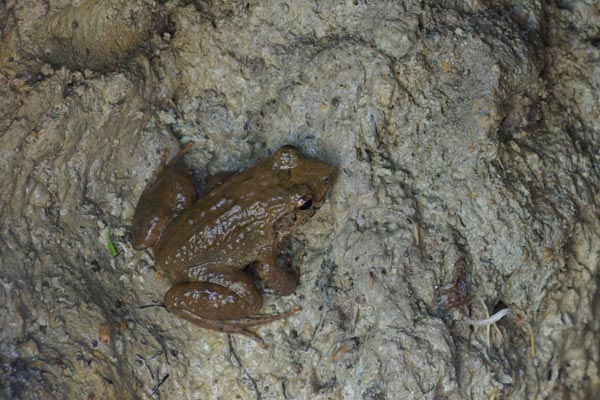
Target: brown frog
point(204, 245)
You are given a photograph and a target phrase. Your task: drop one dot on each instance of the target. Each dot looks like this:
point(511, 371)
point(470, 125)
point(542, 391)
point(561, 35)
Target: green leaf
point(110, 245)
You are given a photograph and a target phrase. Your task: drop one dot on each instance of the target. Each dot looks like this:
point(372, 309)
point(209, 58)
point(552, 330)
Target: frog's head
point(309, 181)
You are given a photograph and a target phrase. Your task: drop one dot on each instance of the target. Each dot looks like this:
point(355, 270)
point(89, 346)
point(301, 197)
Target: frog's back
point(229, 226)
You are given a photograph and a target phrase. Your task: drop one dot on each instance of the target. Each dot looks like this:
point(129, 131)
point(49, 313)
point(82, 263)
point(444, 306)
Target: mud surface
point(468, 143)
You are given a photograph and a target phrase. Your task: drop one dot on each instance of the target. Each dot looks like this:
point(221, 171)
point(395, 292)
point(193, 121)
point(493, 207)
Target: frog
point(213, 248)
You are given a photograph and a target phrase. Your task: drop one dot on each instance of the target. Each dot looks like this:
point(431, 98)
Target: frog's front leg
point(223, 299)
point(273, 275)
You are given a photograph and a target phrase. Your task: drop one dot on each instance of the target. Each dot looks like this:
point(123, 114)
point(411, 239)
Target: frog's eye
point(305, 203)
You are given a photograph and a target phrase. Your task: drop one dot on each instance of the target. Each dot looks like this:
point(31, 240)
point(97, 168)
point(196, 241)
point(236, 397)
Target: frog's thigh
point(273, 275)
point(218, 293)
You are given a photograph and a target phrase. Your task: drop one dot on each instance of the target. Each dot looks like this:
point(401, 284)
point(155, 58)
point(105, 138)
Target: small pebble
point(28, 349)
point(47, 70)
point(77, 77)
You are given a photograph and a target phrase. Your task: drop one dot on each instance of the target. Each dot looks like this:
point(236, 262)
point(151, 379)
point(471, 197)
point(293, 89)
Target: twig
point(153, 305)
point(235, 356)
point(375, 132)
point(319, 326)
point(283, 390)
point(158, 385)
point(531, 342)
point(488, 321)
point(143, 359)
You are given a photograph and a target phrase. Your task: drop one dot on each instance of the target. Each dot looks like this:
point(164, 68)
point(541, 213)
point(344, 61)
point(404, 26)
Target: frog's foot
point(165, 153)
point(183, 151)
point(223, 299)
point(238, 325)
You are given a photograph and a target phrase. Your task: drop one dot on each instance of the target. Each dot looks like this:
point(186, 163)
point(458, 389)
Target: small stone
point(77, 77)
point(47, 70)
point(19, 84)
point(28, 349)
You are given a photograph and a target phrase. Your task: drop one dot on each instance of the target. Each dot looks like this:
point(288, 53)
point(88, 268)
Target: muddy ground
point(467, 139)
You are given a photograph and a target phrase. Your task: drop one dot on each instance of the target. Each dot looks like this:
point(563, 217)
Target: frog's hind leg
point(162, 200)
point(223, 299)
